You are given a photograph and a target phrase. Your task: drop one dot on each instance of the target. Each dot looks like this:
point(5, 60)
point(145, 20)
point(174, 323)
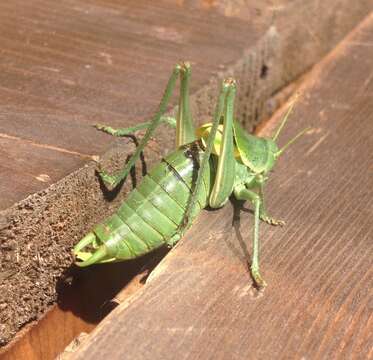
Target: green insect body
point(153, 212)
point(208, 166)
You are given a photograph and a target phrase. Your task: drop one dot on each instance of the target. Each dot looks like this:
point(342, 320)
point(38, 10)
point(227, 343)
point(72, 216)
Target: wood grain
point(76, 63)
point(199, 302)
point(80, 307)
point(67, 65)
point(64, 67)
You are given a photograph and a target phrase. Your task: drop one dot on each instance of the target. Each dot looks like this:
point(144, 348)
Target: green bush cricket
point(209, 165)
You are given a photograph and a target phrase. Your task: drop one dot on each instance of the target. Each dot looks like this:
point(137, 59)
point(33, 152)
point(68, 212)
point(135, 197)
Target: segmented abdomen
point(152, 213)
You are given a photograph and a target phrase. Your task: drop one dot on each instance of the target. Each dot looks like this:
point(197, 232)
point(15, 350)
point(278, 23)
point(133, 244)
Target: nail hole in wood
point(264, 71)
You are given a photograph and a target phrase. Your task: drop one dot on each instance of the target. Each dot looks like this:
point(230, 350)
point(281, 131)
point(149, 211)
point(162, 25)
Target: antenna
point(278, 153)
point(290, 109)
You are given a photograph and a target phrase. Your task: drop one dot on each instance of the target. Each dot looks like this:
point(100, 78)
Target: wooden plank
point(80, 307)
point(64, 67)
point(26, 166)
point(53, 63)
point(200, 303)
point(69, 65)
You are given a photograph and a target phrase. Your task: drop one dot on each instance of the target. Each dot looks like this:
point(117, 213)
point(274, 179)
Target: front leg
point(263, 213)
point(241, 193)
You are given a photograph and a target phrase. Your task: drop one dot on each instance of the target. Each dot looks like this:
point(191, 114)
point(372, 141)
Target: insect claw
point(259, 282)
point(96, 159)
point(272, 221)
point(106, 178)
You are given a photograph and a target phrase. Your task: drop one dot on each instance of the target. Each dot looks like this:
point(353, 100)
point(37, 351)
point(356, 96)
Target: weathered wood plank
point(64, 67)
point(79, 308)
point(199, 302)
point(67, 66)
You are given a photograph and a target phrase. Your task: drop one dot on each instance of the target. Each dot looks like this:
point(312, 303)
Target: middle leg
point(263, 213)
point(169, 120)
point(114, 180)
